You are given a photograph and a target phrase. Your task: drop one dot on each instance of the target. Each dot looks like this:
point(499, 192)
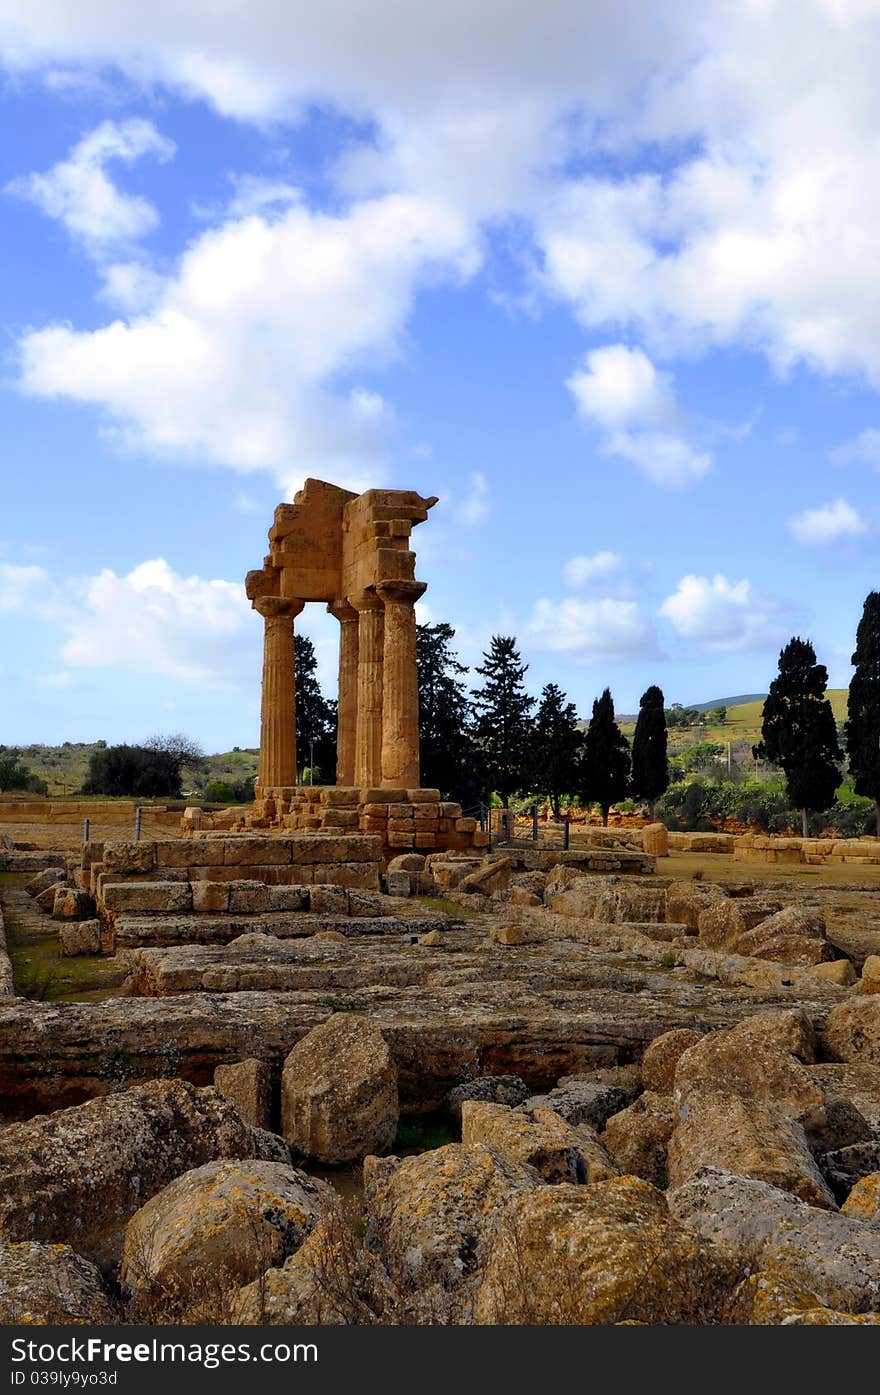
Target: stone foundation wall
point(755, 847)
point(415, 820)
point(115, 811)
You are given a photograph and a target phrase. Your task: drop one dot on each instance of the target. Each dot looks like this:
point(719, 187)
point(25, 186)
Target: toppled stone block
point(638, 1136)
point(662, 1056)
point(429, 1217)
point(339, 1097)
point(753, 1138)
point(601, 1254)
point(328, 900)
point(852, 1032)
point(365, 905)
point(753, 1067)
point(863, 1202)
point(538, 1138)
point(870, 980)
point(835, 1256)
point(45, 900)
point(80, 937)
point(685, 901)
point(71, 903)
point(655, 839)
point(85, 1170)
point(43, 880)
point(722, 923)
point(398, 883)
point(228, 1219)
point(490, 879)
point(407, 862)
point(839, 971)
point(247, 1085)
point(581, 1101)
point(493, 1089)
point(50, 1285)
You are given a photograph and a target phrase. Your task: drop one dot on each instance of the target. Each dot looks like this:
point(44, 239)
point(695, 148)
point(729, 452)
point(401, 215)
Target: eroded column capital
point(277, 607)
point(400, 592)
point(343, 610)
point(366, 601)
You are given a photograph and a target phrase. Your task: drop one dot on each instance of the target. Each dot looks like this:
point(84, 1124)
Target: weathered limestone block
point(490, 879)
point(331, 1281)
point(839, 971)
point(210, 896)
point(583, 1101)
point(339, 1097)
point(79, 937)
point(597, 1255)
point(685, 902)
point(309, 848)
point(226, 1221)
point(43, 880)
point(340, 796)
point(407, 862)
point(158, 897)
point(521, 896)
point(788, 1029)
point(423, 796)
point(328, 900)
point(870, 980)
point(791, 936)
point(429, 1216)
point(662, 1056)
point(845, 1166)
point(655, 839)
point(184, 852)
point(863, 1202)
point(611, 900)
point(398, 883)
point(45, 900)
point(247, 1086)
point(751, 1137)
point(735, 1062)
point(248, 897)
point(122, 855)
point(83, 1171)
point(721, 925)
point(49, 1285)
point(857, 1082)
point(842, 1126)
point(362, 876)
point(772, 1299)
point(852, 1032)
point(536, 1137)
point(491, 1089)
point(836, 1257)
point(364, 905)
point(72, 904)
point(637, 1138)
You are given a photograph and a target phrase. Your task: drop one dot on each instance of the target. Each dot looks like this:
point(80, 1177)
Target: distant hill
point(64, 768)
point(743, 720)
point(725, 702)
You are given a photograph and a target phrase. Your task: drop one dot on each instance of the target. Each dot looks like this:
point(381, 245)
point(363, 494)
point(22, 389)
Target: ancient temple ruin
point(352, 551)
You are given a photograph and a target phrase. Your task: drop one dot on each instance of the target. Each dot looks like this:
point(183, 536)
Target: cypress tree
point(502, 726)
point(798, 731)
point(606, 759)
point(650, 766)
point(556, 746)
point(444, 738)
point(862, 729)
point(315, 716)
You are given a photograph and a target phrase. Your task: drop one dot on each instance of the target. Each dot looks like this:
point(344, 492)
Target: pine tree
point(556, 745)
point(502, 729)
point(650, 766)
point(863, 725)
point(606, 759)
point(444, 739)
point(315, 716)
point(798, 731)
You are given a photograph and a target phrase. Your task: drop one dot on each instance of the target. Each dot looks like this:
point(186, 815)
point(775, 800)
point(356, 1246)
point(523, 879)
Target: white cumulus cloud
point(722, 616)
point(237, 358)
point(827, 524)
point(80, 194)
point(582, 570)
point(619, 390)
point(863, 449)
point(590, 630)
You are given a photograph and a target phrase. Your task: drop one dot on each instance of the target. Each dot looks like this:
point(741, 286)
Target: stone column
point(400, 703)
point(346, 734)
point(278, 709)
point(368, 741)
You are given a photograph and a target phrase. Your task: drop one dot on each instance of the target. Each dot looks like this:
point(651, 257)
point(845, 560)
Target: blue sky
point(605, 279)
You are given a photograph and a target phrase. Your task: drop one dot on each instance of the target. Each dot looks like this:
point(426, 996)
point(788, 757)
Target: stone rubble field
point(661, 1097)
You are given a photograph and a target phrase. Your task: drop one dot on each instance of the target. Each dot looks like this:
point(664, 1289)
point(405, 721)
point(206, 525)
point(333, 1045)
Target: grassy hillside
point(64, 768)
point(743, 722)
